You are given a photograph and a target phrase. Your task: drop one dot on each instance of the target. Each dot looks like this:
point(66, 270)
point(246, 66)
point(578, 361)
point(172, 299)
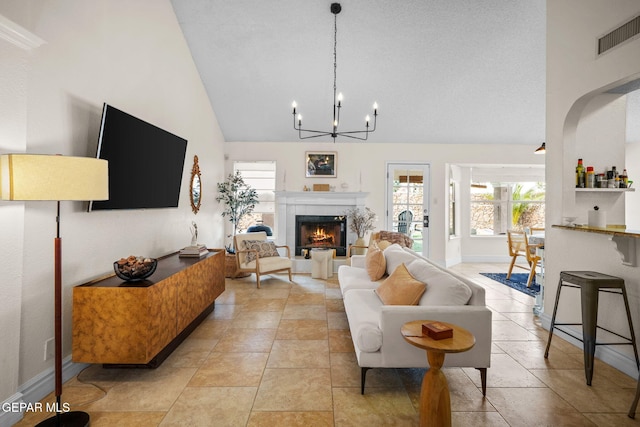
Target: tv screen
point(145, 162)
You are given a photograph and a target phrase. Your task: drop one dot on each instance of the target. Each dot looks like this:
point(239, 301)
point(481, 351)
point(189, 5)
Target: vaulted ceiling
point(441, 71)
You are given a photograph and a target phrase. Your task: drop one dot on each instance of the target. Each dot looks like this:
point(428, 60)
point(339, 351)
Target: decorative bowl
point(569, 220)
point(133, 269)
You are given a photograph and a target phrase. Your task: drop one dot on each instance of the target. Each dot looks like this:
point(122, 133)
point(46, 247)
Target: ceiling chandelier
point(337, 102)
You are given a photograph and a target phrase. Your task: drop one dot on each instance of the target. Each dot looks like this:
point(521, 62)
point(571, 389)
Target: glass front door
point(408, 202)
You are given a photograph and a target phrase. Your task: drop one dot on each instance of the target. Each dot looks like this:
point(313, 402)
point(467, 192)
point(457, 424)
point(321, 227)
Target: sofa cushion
point(395, 255)
point(265, 249)
point(375, 262)
point(400, 288)
point(354, 278)
point(363, 309)
point(442, 288)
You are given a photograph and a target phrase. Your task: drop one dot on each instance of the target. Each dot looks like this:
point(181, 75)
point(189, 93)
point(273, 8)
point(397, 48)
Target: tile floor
point(282, 356)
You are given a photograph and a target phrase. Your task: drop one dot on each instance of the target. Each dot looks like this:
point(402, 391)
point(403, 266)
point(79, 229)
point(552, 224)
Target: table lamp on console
point(55, 178)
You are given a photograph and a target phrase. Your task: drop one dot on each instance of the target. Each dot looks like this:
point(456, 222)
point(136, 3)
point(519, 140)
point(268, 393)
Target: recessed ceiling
point(441, 71)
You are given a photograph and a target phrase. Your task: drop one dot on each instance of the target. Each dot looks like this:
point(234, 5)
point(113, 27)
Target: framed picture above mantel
point(321, 164)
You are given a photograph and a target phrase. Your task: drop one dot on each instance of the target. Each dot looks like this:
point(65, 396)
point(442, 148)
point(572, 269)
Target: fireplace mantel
point(292, 203)
point(352, 198)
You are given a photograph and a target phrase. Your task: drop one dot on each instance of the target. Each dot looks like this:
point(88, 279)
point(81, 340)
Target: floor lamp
point(50, 177)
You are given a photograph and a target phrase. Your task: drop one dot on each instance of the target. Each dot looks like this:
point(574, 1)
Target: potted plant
point(239, 200)
point(360, 222)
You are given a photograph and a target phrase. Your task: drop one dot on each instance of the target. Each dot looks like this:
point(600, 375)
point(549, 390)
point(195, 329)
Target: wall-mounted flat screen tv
point(145, 162)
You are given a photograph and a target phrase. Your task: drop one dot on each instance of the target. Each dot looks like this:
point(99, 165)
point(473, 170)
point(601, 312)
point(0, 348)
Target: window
point(452, 209)
point(499, 206)
point(261, 176)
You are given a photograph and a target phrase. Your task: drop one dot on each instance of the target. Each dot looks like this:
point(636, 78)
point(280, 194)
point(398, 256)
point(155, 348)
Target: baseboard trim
point(42, 384)
point(607, 354)
point(9, 418)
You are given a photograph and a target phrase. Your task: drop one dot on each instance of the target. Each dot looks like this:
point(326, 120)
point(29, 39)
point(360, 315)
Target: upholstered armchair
point(255, 254)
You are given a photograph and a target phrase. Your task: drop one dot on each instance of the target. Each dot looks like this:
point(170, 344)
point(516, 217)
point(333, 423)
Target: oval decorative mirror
point(195, 187)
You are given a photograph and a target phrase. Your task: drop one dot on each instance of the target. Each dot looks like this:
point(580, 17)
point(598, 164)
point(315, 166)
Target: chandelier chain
point(337, 101)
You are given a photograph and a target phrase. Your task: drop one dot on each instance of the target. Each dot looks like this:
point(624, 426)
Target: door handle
point(425, 221)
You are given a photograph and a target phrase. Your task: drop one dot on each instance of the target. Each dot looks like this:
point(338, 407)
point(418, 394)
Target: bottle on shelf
point(580, 175)
point(591, 178)
point(624, 179)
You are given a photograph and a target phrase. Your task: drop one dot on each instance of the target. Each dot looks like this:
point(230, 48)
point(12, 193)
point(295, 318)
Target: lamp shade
point(51, 177)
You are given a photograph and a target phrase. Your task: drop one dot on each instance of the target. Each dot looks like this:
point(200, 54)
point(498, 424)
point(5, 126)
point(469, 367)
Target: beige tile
point(299, 354)
point(211, 329)
point(379, 407)
point(303, 329)
point(337, 320)
point(291, 419)
point(345, 372)
point(246, 340)
point(256, 320)
point(505, 372)
point(340, 341)
point(534, 407)
point(313, 312)
point(209, 406)
point(230, 370)
point(510, 331)
point(224, 311)
point(265, 304)
point(156, 391)
point(335, 305)
point(478, 419)
point(126, 419)
point(530, 354)
point(235, 296)
point(294, 390)
point(271, 291)
point(602, 396)
point(306, 299)
point(333, 294)
point(608, 420)
point(508, 306)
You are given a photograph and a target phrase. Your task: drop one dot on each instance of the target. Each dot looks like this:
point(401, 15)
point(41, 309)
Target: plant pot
point(231, 267)
point(359, 251)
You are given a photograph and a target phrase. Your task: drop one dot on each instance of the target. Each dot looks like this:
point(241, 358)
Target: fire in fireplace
point(321, 231)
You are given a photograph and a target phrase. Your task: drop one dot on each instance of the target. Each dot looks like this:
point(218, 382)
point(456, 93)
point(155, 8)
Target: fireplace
point(321, 231)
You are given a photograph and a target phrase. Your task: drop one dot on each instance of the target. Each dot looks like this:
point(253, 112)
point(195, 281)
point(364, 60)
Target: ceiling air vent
point(621, 34)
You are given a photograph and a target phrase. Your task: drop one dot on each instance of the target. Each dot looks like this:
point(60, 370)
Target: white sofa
point(375, 327)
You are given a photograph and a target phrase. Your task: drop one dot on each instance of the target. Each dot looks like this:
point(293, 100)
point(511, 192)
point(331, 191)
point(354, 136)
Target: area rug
point(518, 281)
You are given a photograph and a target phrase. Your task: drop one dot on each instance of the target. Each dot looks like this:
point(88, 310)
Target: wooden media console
point(119, 323)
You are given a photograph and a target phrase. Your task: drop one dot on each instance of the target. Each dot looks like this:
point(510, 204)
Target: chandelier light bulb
point(340, 96)
point(335, 123)
point(366, 119)
point(375, 106)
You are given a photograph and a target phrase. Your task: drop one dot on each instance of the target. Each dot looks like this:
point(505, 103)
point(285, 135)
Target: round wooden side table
point(435, 403)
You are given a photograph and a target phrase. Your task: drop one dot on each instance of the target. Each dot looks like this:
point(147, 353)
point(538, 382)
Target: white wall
point(370, 159)
point(575, 77)
point(131, 54)
point(13, 100)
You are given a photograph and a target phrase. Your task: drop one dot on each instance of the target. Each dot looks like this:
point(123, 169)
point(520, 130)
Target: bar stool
point(591, 284)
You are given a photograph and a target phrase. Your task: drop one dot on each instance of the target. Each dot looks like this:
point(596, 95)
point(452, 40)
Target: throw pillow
point(265, 249)
point(400, 288)
point(395, 237)
point(396, 255)
point(375, 262)
point(444, 288)
point(383, 244)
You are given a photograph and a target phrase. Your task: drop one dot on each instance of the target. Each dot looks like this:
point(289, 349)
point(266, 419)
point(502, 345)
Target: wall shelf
point(604, 190)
